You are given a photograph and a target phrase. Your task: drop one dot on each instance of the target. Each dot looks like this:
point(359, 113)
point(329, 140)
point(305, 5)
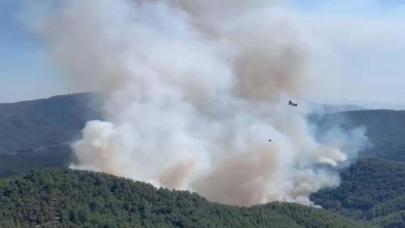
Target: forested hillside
point(56, 198)
point(37, 134)
point(372, 190)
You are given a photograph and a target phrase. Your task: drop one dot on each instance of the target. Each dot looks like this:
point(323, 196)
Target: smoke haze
point(195, 89)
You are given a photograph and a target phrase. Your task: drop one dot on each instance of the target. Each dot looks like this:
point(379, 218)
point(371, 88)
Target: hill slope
point(52, 198)
point(33, 124)
point(36, 134)
point(372, 190)
point(385, 130)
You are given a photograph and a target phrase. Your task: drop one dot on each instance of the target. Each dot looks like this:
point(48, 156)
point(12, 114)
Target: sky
point(360, 42)
point(25, 72)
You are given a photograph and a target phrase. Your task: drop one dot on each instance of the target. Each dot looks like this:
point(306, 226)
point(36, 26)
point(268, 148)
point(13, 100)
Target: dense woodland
point(372, 190)
point(36, 135)
point(51, 198)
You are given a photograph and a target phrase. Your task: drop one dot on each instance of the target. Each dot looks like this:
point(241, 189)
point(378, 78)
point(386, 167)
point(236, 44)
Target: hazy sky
point(362, 42)
point(24, 72)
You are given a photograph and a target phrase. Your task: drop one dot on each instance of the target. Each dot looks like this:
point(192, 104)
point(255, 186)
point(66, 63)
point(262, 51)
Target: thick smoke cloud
point(195, 89)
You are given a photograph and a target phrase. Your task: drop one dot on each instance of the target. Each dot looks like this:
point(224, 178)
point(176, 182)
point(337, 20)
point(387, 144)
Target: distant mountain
point(66, 198)
point(385, 130)
point(36, 134)
point(31, 125)
point(325, 109)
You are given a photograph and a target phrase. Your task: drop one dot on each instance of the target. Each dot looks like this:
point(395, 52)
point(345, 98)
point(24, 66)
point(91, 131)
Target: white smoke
point(195, 90)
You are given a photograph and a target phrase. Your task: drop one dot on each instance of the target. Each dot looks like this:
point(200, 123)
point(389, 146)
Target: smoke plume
point(195, 90)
